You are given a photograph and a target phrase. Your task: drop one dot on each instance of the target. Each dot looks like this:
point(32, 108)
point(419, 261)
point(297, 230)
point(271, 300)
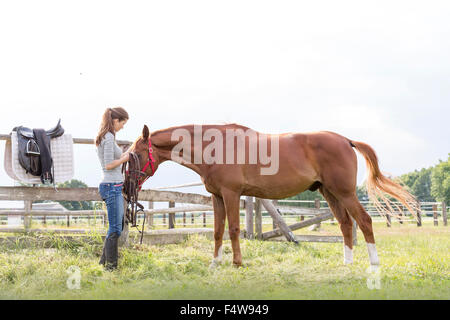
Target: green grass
point(415, 265)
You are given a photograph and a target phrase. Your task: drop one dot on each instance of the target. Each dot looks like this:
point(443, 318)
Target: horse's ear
point(145, 132)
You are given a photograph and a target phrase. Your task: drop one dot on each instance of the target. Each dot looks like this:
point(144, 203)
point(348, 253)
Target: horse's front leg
point(231, 202)
point(219, 227)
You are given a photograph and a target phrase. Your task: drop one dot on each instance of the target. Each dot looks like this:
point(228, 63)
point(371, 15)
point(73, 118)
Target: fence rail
point(192, 203)
point(435, 210)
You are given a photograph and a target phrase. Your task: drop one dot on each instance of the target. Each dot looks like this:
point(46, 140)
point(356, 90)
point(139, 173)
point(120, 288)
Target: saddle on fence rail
point(34, 149)
point(35, 154)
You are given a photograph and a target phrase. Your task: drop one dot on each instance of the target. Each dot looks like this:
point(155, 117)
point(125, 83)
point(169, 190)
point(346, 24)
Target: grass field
point(415, 264)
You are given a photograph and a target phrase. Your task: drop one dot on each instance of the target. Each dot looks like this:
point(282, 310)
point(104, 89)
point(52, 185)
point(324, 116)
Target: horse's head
point(148, 158)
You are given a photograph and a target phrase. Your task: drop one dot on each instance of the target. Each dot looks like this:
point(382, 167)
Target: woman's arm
point(115, 163)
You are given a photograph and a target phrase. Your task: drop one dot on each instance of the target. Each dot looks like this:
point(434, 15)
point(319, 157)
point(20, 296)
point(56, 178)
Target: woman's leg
point(116, 225)
point(114, 203)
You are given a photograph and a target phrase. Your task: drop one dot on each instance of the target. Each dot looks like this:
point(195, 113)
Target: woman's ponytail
point(107, 124)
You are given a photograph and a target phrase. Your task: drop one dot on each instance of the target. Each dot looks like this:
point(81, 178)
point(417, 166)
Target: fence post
point(249, 217)
point(27, 219)
point(184, 219)
point(204, 219)
point(444, 213)
point(435, 215)
point(171, 215)
point(124, 236)
point(317, 206)
point(192, 218)
point(283, 227)
point(274, 225)
point(258, 219)
point(150, 216)
point(388, 222)
point(419, 216)
point(400, 214)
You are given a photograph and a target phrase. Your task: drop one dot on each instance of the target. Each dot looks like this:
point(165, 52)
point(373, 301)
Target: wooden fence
point(428, 211)
point(30, 194)
point(198, 203)
point(253, 214)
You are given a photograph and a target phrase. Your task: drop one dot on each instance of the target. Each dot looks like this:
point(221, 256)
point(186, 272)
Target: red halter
point(150, 162)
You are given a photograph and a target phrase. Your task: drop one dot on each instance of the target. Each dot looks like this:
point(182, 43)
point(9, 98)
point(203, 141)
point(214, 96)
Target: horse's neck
point(166, 155)
point(163, 144)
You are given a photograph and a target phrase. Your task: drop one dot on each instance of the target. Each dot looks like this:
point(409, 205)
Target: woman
point(110, 188)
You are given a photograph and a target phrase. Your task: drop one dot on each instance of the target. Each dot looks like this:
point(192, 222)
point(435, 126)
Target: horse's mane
point(190, 127)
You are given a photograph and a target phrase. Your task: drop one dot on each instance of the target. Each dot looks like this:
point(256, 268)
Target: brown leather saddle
point(35, 152)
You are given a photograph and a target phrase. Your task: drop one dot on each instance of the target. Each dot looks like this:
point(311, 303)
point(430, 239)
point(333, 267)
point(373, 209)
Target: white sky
point(376, 72)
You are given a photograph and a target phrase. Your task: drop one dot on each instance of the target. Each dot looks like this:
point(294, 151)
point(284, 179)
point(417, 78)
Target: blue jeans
point(111, 193)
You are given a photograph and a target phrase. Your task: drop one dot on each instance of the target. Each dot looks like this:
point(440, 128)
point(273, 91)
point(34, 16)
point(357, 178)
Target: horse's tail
point(379, 185)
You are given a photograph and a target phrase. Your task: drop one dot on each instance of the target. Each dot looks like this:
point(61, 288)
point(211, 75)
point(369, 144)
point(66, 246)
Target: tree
point(361, 193)
point(440, 181)
point(419, 184)
point(75, 205)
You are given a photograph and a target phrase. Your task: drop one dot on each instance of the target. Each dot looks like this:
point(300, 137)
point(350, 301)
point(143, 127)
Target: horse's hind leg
point(339, 172)
point(345, 222)
point(357, 211)
point(219, 227)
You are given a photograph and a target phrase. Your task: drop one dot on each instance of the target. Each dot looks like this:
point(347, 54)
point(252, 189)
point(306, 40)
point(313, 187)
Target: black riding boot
point(112, 251)
point(103, 257)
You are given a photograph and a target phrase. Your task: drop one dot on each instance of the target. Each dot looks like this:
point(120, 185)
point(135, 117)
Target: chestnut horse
point(306, 161)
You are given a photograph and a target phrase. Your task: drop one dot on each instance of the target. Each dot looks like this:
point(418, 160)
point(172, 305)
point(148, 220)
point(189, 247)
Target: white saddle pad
point(62, 154)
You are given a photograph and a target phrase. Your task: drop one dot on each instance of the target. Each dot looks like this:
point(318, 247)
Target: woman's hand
point(125, 157)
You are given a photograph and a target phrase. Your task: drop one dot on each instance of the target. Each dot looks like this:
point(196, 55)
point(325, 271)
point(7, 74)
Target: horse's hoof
point(374, 268)
point(214, 264)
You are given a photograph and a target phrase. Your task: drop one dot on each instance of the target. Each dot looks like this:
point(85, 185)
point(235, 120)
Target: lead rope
point(132, 172)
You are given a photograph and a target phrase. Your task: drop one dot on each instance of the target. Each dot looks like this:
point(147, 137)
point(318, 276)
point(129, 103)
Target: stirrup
point(30, 152)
